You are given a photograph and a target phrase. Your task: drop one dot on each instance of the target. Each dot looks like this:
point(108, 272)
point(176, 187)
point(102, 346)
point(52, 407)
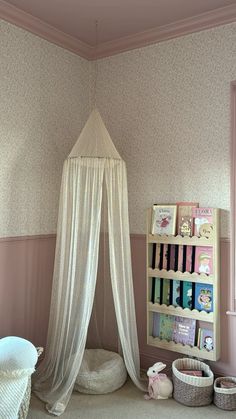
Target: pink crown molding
point(207, 20)
point(32, 24)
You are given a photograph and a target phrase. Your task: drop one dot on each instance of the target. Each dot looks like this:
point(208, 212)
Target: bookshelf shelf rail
point(184, 349)
point(183, 276)
point(182, 312)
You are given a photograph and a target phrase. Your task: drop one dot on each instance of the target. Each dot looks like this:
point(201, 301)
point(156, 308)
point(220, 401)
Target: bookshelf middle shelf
point(182, 312)
point(186, 276)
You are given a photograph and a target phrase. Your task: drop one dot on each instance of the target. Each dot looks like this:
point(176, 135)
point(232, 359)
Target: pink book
point(180, 258)
point(172, 257)
point(204, 260)
point(165, 256)
point(203, 217)
point(189, 254)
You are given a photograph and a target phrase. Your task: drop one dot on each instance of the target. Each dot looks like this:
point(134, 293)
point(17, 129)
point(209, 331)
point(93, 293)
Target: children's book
point(189, 259)
point(203, 221)
point(166, 326)
point(203, 299)
point(156, 325)
point(180, 257)
point(173, 257)
point(157, 292)
point(184, 330)
point(165, 297)
point(165, 260)
point(203, 260)
point(157, 255)
point(184, 218)
point(206, 339)
point(164, 219)
point(187, 295)
point(175, 293)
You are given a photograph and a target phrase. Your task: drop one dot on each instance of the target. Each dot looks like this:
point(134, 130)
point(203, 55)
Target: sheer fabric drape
point(75, 274)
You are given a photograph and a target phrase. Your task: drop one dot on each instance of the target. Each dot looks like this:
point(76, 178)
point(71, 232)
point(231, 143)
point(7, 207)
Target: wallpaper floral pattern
point(166, 106)
point(44, 104)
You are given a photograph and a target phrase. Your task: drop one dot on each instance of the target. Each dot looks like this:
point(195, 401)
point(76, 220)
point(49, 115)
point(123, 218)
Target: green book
point(157, 292)
point(166, 326)
point(166, 292)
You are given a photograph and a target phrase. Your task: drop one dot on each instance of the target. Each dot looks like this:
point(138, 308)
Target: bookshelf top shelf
point(193, 241)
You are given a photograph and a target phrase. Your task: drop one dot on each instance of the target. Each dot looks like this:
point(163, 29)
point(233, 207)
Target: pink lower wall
point(26, 270)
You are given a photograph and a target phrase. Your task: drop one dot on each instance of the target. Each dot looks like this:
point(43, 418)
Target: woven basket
point(191, 390)
point(225, 398)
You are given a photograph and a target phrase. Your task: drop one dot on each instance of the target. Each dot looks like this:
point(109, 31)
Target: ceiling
point(122, 24)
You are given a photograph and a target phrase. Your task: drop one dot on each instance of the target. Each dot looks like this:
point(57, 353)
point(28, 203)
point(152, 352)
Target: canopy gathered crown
point(93, 160)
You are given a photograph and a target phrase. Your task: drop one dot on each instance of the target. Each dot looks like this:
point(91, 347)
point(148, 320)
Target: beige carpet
point(127, 403)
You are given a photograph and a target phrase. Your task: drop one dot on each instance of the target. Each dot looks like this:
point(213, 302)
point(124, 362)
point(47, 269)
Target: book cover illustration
point(185, 218)
point(203, 297)
point(164, 219)
point(175, 297)
point(184, 331)
point(206, 339)
point(166, 326)
point(185, 226)
point(187, 296)
point(156, 325)
point(157, 291)
point(165, 298)
point(203, 260)
point(203, 221)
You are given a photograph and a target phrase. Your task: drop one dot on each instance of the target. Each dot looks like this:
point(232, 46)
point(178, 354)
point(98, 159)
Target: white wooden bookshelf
point(203, 316)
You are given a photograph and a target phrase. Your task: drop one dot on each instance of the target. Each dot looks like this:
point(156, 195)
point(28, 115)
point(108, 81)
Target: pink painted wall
point(26, 270)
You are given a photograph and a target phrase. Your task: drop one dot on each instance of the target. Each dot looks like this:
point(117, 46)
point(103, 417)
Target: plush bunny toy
point(159, 386)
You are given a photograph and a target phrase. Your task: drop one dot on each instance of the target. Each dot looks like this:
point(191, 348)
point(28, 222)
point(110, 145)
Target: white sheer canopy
point(93, 161)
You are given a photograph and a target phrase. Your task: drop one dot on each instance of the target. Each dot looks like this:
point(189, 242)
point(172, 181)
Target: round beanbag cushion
point(101, 372)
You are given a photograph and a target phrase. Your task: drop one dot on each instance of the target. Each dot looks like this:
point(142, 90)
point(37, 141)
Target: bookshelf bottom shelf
point(183, 349)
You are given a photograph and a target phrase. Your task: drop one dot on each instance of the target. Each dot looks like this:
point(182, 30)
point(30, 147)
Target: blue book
point(203, 297)
point(175, 297)
point(187, 295)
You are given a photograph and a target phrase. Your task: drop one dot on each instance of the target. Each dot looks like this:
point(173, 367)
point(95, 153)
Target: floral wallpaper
point(167, 108)
point(44, 104)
